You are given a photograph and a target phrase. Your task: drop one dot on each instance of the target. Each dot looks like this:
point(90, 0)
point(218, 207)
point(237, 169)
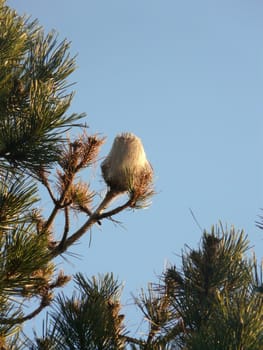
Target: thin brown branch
point(59, 204)
point(87, 211)
point(66, 228)
point(44, 181)
point(109, 197)
point(46, 184)
point(116, 210)
point(52, 216)
point(131, 340)
point(93, 219)
point(74, 237)
point(28, 317)
point(36, 311)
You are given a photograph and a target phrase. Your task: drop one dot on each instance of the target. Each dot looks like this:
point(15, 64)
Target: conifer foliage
point(90, 319)
point(35, 153)
point(213, 301)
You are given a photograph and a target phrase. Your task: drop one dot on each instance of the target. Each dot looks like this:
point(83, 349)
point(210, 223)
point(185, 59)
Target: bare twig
point(93, 219)
point(52, 217)
point(47, 185)
point(44, 303)
point(74, 237)
point(59, 204)
point(115, 210)
point(109, 197)
point(66, 228)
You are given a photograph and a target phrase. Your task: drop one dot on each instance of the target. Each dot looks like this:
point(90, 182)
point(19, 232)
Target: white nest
point(125, 163)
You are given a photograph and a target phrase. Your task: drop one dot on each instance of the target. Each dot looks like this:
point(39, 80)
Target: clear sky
point(187, 78)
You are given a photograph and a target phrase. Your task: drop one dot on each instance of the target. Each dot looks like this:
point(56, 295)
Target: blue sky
point(187, 78)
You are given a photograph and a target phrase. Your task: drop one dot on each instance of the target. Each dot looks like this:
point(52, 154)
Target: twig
point(132, 340)
point(54, 212)
point(58, 205)
point(51, 217)
point(109, 197)
point(66, 228)
point(94, 218)
point(73, 238)
point(28, 317)
point(116, 210)
point(46, 184)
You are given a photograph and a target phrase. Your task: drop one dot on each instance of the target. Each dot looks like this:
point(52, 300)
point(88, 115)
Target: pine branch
point(44, 303)
point(90, 319)
point(35, 97)
point(116, 210)
point(60, 203)
point(66, 229)
point(33, 94)
point(73, 238)
point(94, 218)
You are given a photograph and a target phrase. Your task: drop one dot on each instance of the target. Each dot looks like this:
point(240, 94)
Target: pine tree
point(34, 153)
point(90, 319)
point(214, 301)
